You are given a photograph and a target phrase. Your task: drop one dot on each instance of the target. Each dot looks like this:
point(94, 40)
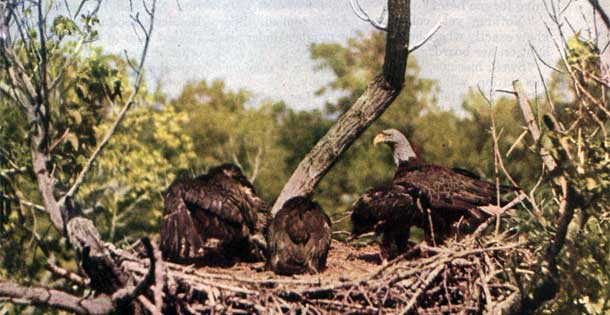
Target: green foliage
point(582, 152)
point(74, 115)
point(126, 184)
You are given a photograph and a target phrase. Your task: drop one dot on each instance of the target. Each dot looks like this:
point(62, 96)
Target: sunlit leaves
point(64, 26)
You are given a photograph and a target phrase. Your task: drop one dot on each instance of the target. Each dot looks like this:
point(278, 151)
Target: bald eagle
point(450, 195)
point(431, 197)
point(217, 214)
point(298, 238)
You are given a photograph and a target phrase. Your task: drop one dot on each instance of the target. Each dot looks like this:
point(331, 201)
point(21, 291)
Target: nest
point(461, 277)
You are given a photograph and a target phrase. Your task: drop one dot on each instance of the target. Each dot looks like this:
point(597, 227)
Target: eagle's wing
point(179, 235)
point(444, 188)
point(320, 231)
point(218, 197)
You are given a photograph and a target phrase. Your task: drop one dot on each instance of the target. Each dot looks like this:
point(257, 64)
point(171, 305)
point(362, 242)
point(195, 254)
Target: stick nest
point(469, 276)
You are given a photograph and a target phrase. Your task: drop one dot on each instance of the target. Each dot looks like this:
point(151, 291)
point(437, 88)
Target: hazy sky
point(263, 46)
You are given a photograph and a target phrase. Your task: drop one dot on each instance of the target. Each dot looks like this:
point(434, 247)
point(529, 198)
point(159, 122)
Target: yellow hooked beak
point(380, 138)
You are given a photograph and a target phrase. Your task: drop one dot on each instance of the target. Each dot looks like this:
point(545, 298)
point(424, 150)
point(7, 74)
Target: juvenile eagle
point(217, 214)
point(390, 211)
point(299, 238)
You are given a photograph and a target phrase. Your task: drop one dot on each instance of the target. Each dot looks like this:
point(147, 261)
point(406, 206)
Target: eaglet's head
point(231, 170)
point(398, 142)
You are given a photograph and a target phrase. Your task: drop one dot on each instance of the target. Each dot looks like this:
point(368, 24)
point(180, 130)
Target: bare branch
point(43, 61)
point(532, 125)
point(426, 38)
point(361, 14)
point(71, 276)
point(598, 8)
point(542, 60)
point(128, 294)
point(41, 296)
point(103, 304)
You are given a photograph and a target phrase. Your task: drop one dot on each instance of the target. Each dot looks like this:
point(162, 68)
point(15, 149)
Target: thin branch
point(44, 93)
point(139, 77)
point(426, 38)
point(542, 60)
point(431, 276)
point(63, 273)
point(69, 60)
point(128, 294)
point(361, 14)
point(604, 16)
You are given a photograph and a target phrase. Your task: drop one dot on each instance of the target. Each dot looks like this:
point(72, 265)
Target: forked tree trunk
point(379, 95)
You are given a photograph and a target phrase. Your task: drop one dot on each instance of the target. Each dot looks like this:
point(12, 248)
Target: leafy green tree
point(250, 141)
point(127, 183)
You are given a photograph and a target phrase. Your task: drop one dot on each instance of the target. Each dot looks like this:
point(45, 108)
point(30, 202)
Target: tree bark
point(379, 95)
point(55, 299)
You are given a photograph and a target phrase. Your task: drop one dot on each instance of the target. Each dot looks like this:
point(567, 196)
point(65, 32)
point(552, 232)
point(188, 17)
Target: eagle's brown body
point(298, 238)
point(217, 213)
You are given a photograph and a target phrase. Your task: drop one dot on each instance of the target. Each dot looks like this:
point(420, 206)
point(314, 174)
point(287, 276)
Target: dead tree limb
point(379, 95)
point(29, 89)
point(40, 296)
point(102, 304)
point(598, 8)
point(532, 124)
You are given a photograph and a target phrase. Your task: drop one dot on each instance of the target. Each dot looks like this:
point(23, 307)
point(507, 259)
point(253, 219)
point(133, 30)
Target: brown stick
point(379, 95)
point(598, 8)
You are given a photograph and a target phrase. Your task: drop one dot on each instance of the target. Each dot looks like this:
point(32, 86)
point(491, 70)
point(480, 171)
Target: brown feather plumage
point(298, 238)
point(213, 213)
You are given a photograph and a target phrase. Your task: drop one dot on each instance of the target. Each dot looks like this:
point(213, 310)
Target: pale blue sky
point(263, 46)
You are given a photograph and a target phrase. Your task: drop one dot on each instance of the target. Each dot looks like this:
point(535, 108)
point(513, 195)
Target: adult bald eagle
point(299, 238)
point(450, 195)
point(217, 214)
point(431, 197)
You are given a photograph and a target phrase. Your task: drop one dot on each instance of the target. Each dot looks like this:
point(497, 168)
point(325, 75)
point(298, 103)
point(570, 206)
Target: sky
point(263, 46)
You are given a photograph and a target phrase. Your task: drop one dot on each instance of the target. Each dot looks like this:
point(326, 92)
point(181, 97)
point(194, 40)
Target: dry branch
point(598, 8)
point(20, 294)
point(532, 124)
